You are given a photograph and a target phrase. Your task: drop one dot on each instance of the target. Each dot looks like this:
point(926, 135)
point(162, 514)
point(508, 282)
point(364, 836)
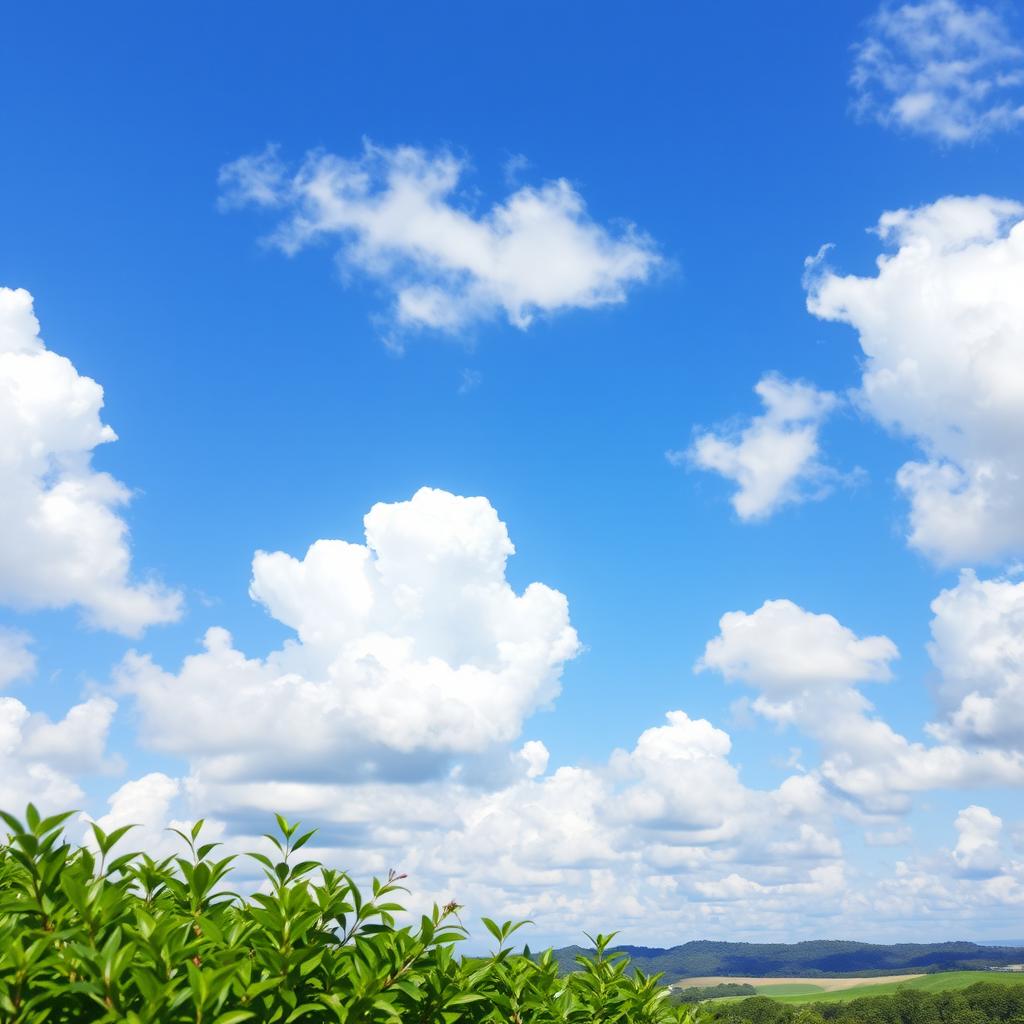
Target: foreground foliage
point(90, 936)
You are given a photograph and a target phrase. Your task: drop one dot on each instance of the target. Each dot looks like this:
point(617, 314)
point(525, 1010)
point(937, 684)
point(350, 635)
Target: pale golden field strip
point(825, 984)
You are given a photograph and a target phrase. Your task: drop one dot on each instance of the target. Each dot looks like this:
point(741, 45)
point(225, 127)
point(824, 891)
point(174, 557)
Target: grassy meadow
point(815, 991)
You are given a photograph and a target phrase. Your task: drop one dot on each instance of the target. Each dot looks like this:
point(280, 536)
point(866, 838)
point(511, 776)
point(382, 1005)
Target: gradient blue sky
point(257, 407)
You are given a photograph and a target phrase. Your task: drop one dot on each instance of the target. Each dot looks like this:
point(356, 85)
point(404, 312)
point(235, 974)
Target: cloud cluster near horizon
point(398, 720)
point(397, 716)
point(402, 218)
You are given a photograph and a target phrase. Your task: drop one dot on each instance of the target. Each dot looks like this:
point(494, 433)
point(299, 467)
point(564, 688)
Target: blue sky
point(264, 400)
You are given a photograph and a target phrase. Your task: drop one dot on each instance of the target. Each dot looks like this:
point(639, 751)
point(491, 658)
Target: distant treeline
point(984, 1003)
point(698, 993)
point(821, 958)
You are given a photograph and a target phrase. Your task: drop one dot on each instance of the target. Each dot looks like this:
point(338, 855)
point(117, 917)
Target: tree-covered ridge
point(806, 959)
point(90, 935)
point(984, 1003)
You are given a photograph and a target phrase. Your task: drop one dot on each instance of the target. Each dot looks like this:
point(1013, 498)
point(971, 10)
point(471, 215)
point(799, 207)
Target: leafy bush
point(87, 935)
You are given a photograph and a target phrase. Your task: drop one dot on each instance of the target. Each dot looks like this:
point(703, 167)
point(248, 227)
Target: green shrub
point(90, 935)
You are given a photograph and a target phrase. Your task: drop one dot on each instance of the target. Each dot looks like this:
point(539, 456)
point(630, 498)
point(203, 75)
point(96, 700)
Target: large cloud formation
point(411, 649)
point(394, 720)
point(63, 542)
point(942, 69)
point(397, 214)
point(942, 329)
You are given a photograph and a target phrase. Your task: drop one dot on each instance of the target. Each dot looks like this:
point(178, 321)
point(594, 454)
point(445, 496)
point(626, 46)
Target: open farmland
point(831, 990)
point(798, 986)
point(944, 981)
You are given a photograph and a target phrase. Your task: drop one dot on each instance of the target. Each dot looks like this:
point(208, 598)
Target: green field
point(789, 989)
point(940, 982)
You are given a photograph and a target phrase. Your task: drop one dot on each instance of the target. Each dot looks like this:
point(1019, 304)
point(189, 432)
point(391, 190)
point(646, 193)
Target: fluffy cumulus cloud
point(774, 459)
point(394, 720)
point(806, 669)
point(781, 647)
point(942, 69)
point(410, 650)
point(63, 541)
point(401, 219)
point(977, 850)
point(941, 326)
point(651, 840)
point(147, 805)
point(978, 647)
point(16, 658)
point(41, 760)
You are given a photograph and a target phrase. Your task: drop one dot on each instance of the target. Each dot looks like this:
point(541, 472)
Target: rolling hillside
point(942, 982)
point(807, 959)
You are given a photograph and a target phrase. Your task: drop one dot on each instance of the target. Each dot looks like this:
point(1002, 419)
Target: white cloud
point(936, 890)
point(394, 719)
point(977, 852)
point(76, 743)
point(942, 69)
point(682, 780)
point(411, 649)
point(575, 849)
point(806, 668)
point(148, 804)
point(62, 543)
point(144, 802)
point(942, 330)
point(41, 759)
point(398, 215)
point(774, 459)
point(781, 647)
point(978, 646)
point(16, 660)
point(536, 756)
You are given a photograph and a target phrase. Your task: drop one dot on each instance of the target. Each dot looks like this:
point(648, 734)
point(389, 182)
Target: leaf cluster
point(90, 935)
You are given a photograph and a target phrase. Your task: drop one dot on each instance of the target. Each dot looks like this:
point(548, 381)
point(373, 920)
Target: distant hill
point(824, 958)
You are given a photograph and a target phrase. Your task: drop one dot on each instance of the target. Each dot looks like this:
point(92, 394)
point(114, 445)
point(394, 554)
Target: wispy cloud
point(942, 69)
point(469, 380)
point(399, 218)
